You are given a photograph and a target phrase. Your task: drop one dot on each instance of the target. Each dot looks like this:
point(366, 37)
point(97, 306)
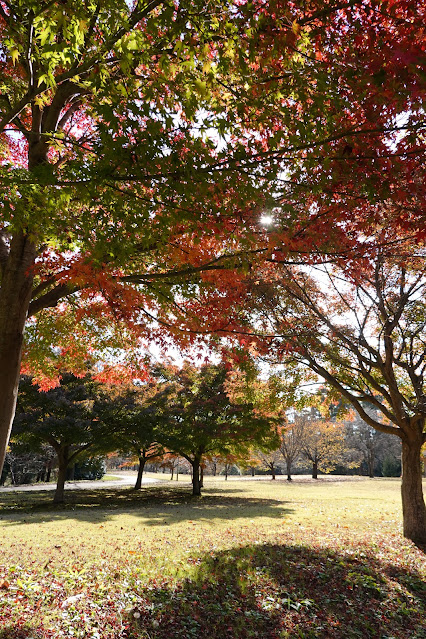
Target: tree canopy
point(365, 338)
point(141, 143)
point(203, 415)
point(62, 417)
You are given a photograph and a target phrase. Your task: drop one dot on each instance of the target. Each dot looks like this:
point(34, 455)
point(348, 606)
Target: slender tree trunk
point(141, 467)
point(15, 294)
point(273, 472)
point(196, 488)
point(172, 475)
point(315, 469)
point(289, 471)
point(370, 463)
point(413, 505)
point(59, 496)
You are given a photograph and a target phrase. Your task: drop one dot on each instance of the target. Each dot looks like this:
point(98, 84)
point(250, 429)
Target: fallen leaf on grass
point(72, 600)
point(4, 584)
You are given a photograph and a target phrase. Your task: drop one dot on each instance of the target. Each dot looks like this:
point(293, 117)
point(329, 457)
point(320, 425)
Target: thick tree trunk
point(15, 294)
point(196, 487)
point(273, 472)
point(413, 505)
point(315, 470)
point(59, 496)
point(141, 467)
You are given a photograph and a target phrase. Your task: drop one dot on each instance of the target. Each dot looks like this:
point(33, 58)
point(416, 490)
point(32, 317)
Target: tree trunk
point(196, 488)
point(273, 472)
point(413, 505)
point(370, 463)
point(289, 471)
point(141, 467)
point(201, 476)
point(15, 294)
point(172, 475)
point(315, 470)
point(59, 496)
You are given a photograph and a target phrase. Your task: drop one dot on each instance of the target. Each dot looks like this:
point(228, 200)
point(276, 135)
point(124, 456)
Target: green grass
point(274, 560)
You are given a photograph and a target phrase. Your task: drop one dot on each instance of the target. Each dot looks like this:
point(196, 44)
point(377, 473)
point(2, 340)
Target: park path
point(125, 479)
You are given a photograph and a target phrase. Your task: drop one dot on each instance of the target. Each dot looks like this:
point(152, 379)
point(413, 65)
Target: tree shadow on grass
point(159, 505)
point(285, 592)
point(22, 632)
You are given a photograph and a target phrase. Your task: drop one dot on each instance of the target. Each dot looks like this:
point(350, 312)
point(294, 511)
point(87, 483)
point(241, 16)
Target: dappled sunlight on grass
point(247, 559)
point(278, 590)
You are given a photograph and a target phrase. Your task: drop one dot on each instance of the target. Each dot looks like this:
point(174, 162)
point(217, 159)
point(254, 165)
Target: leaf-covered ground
point(248, 559)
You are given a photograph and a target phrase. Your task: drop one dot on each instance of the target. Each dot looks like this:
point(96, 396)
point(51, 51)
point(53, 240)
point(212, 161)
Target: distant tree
point(291, 444)
point(171, 461)
point(131, 416)
point(372, 447)
point(323, 443)
point(391, 467)
point(25, 466)
point(204, 417)
point(62, 417)
point(270, 460)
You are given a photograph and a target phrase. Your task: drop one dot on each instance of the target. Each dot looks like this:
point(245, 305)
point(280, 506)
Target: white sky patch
point(266, 220)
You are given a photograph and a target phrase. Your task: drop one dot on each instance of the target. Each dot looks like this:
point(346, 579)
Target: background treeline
point(209, 420)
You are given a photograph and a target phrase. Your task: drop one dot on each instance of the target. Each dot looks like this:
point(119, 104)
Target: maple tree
point(365, 338)
point(62, 417)
point(117, 203)
point(323, 443)
point(131, 416)
point(201, 418)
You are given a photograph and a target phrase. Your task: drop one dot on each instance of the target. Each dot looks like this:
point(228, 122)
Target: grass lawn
point(313, 560)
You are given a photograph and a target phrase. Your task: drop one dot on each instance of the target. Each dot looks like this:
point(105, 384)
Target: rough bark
point(314, 470)
point(141, 467)
point(15, 294)
point(413, 505)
